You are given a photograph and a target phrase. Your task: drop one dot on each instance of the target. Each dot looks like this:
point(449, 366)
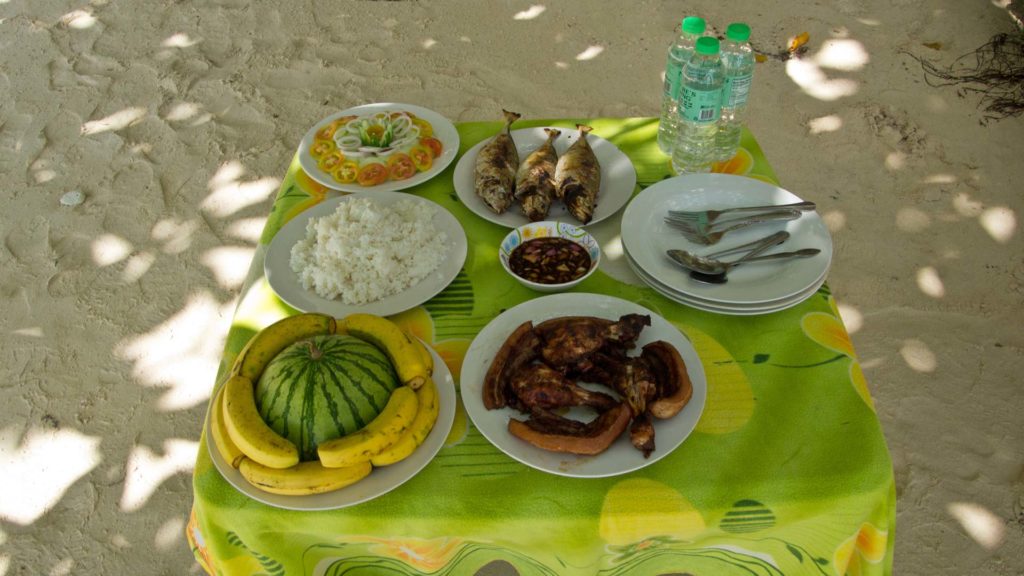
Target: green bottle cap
point(707, 45)
point(737, 32)
point(693, 25)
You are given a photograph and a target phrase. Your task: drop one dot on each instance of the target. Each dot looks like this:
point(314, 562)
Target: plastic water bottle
point(699, 109)
point(679, 54)
point(738, 63)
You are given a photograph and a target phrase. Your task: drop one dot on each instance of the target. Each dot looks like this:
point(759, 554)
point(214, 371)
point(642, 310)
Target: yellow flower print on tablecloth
point(855, 556)
point(730, 402)
point(828, 331)
point(418, 322)
point(639, 509)
point(317, 192)
point(740, 164)
point(426, 556)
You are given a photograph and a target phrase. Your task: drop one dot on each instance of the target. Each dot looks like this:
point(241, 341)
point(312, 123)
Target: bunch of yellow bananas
point(271, 462)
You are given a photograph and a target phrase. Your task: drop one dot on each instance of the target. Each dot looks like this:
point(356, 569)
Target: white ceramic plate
point(618, 177)
point(444, 131)
point(285, 282)
point(380, 481)
point(718, 308)
point(646, 236)
point(621, 457)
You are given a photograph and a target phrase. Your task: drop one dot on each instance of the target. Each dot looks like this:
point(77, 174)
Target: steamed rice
point(366, 250)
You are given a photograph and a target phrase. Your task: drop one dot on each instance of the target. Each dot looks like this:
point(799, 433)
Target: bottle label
point(737, 88)
point(673, 79)
point(700, 106)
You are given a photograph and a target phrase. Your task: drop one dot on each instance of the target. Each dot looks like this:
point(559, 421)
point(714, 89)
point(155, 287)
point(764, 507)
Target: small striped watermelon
point(324, 387)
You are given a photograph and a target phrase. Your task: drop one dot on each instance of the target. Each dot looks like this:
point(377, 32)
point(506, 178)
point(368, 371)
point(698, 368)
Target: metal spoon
point(707, 265)
point(722, 278)
point(770, 240)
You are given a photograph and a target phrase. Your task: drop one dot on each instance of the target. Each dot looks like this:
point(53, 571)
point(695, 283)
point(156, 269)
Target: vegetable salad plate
point(380, 481)
point(287, 285)
point(378, 147)
point(755, 287)
point(621, 457)
point(618, 177)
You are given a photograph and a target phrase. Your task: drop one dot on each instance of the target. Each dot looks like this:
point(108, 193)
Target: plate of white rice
point(378, 253)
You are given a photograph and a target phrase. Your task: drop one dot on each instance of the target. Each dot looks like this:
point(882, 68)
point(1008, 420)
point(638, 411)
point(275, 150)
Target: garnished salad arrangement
point(375, 148)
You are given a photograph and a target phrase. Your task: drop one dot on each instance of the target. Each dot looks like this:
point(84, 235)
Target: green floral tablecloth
point(786, 473)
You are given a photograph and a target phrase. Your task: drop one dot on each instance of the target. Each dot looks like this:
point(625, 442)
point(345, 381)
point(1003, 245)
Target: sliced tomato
point(426, 130)
point(400, 166)
point(421, 157)
point(347, 172)
point(330, 162)
point(321, 148)
point(372, 174)
point(434, 144)
point(327, 131)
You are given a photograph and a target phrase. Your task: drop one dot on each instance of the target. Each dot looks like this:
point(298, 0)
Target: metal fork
point(714, 233)
point(701, 219)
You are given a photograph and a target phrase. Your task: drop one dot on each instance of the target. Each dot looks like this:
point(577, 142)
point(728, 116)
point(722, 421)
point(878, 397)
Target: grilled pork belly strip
point(519, 349)
point(593, 438)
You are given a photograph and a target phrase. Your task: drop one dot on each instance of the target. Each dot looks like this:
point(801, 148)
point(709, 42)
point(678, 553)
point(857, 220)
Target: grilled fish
point(496, 166)
point(535, 180)
point(578, 178)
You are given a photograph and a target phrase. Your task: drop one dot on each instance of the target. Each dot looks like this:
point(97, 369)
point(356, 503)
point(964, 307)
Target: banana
point(375, 437)
point(303, 478)
point(400, 348)
point(268, 342)
point(219, 432)
point(426, 415)
point(248, 430)
point(425, 356)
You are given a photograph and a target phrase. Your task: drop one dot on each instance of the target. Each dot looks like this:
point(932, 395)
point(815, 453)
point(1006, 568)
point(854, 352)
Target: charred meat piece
point(630, 377)
point(537, 386)
point(641, 434)
point(570, 339)
point(627, 329)
point(519, 349)
point(588, 439)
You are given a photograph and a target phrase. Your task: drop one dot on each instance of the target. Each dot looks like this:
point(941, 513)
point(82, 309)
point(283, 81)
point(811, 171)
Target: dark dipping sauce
point(550, 260)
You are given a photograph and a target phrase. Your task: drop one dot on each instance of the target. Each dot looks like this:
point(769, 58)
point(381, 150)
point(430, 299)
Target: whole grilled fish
point(578, 178)
point(496, 166)
point(535, 180)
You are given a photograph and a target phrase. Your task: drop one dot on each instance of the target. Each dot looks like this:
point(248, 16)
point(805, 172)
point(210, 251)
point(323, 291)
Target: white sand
point(177, 120)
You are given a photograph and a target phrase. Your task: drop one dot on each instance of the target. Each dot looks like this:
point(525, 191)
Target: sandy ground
point(176, 121)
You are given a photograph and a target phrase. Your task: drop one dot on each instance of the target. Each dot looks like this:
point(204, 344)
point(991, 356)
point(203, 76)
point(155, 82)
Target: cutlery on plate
point(770, 240)
point(708, 265)
point(701, 219)
point(715, 233)
point(721, 275)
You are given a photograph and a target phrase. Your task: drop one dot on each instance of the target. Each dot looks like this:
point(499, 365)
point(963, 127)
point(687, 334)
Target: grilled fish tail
point(510, 117)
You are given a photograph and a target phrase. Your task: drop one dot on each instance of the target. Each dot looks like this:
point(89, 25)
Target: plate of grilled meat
point(583, 385)
point(547, 173)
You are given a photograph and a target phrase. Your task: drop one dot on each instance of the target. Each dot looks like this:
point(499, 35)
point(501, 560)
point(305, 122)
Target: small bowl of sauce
point(549, 256)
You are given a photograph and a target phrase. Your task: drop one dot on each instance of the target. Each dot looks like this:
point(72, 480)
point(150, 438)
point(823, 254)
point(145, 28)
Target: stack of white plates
point(755, 288)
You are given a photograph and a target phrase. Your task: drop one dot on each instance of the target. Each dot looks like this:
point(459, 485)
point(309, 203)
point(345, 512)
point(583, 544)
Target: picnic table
point(787, 471)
